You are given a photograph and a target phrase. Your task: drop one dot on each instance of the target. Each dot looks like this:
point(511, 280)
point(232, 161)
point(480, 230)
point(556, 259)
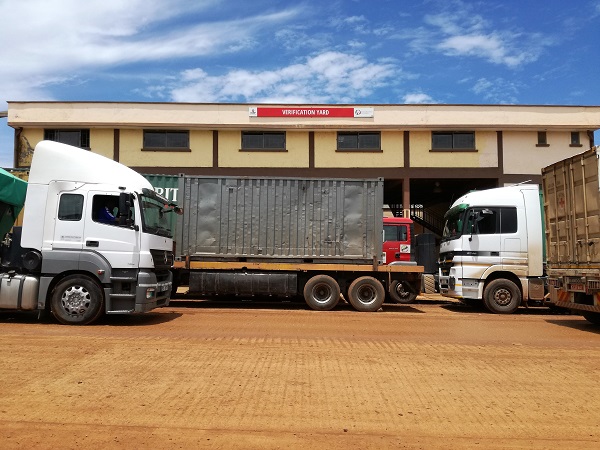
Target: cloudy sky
point(311, 51)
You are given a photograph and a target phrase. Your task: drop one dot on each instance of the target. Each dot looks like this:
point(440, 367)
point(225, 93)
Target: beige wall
point(102, 141)
point(131, 154)
point(230, 143)
point(392, 154)
point(485, 156)
point(28, 140)
point(522, 156)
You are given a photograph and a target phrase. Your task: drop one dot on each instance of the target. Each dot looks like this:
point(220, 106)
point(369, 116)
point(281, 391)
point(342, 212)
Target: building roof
point(238, 115)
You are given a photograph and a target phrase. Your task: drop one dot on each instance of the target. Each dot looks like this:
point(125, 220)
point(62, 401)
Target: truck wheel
point(366, 294)
point(592, 317)
point(401, 292)
point(502, 296)
point(77, 300)
point(322, 293)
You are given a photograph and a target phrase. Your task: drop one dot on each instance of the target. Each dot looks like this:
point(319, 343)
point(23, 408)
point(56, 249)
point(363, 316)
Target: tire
point(401, 292)
point(321, 293)
point(428, 284)
point(501, 296)
point(77, 300)
point(366, 294)
point(592, 317)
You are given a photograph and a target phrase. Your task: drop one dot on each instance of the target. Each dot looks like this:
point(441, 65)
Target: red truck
point(397, 237)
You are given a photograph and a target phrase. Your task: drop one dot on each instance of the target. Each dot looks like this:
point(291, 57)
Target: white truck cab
point(95, 239)
point(492, 248)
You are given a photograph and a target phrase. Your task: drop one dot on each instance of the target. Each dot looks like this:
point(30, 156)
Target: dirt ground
point(201, 374)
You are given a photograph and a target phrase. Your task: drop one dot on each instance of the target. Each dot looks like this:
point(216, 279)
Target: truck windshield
point(156, 216)
point(454, 222)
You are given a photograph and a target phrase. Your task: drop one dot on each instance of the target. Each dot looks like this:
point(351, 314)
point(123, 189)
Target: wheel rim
point(76, 300)
point(322, 293)
point(366, 294)
point(402, 293)
point(503, 297)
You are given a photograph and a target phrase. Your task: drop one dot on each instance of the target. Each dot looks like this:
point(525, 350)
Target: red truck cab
point(397, 239)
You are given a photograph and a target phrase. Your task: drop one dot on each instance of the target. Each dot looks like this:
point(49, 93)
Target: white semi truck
point(69, 259)
point(492, 248)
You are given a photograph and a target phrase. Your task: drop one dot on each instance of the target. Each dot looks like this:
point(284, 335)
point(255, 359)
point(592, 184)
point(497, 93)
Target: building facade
point(427, 154)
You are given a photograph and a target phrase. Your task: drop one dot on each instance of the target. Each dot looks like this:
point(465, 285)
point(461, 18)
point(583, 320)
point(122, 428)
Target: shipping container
point(287, 237)
point(572, 216)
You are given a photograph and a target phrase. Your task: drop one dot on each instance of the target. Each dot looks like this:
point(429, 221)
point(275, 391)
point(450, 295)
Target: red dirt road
point(206, 375)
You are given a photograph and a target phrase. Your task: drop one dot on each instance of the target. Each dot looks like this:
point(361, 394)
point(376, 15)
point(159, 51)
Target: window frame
point(245, 147)
point(166, 147)
point(435, 147)
point(53, 134)
point(75, 214)
point(577, 141)
point(542, 139)
point(358, 135)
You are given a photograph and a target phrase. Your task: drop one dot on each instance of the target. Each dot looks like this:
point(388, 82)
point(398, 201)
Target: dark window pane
point(355, 141)
point(256, 140)
point(177, 139)
point(274, 140)
point(542, 137)
point(347, 141)
point(369, 140)
point(575, 138)
point(166, 139)
point(508, 220)
point(390, 233)
point(403, 233)
point(76, 138)
point(464, 140)
point(487, 221)
point(440, 140)
point(70, 207)
point(252, 140)
point(154, 139)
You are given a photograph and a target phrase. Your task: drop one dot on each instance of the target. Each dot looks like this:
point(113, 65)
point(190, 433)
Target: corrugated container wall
point(571, 193)
point(280, 219)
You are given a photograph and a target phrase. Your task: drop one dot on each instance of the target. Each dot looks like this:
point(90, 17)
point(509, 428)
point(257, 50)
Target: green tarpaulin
point(12, 199)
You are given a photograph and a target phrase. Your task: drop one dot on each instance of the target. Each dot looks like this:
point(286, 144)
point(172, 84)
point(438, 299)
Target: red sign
point(303, 112)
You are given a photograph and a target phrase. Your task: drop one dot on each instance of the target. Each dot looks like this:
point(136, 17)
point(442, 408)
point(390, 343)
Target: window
point(394, 232)
point(105, 209)
point(453, 140)
point(575, 142)
point(370, 140)
point(166, 140)
point(492, 221)
point(70, 207)
point(76, 138)
point(542, 139)
point(263, 140)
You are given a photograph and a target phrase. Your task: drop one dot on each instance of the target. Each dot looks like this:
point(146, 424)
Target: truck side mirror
point(125, 204)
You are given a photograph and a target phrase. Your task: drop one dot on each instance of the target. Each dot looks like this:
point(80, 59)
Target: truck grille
point(163, 259)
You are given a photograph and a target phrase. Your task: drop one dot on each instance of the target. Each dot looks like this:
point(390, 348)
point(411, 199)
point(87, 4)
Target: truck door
point(396, 243)
point(481, 241)
point(119, 244)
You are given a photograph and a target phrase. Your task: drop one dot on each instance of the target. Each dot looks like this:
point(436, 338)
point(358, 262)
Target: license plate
point(579, 287)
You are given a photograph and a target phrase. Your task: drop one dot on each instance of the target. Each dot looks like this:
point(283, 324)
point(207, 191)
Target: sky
point(540, 52)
